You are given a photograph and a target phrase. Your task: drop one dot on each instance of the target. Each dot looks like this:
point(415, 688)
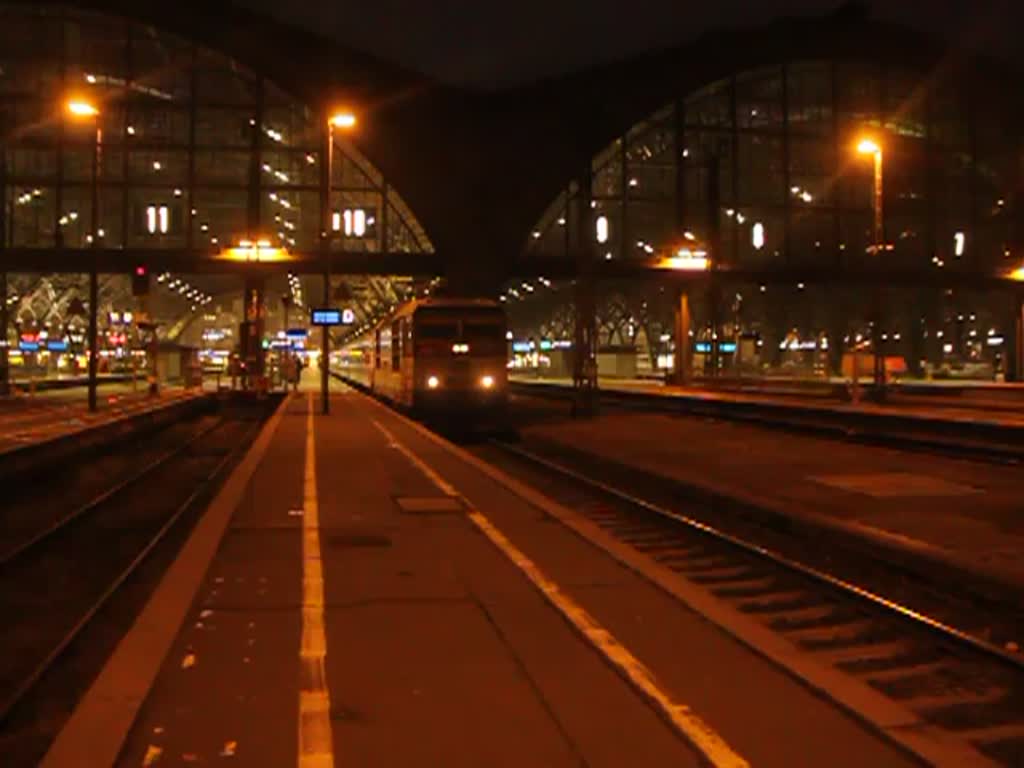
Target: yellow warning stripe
point(316, 748)
point(681, 717)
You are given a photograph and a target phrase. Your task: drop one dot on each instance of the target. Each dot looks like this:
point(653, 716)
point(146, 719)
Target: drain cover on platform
point(356, 539)
point(892, 484)
point(429, 505)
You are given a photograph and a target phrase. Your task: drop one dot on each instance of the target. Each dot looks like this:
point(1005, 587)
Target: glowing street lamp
point(342, 120)
point(868, 146)
point(81, 109)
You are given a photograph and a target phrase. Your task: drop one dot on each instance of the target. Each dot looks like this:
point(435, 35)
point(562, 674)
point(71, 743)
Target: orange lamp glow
point(343, 120)
point(868, 147)
point(686, 260)
point(260, 250)
point(81, 108)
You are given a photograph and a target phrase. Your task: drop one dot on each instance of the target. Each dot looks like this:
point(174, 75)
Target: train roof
point(439, 301)
point(442, 302)
point(428, 302)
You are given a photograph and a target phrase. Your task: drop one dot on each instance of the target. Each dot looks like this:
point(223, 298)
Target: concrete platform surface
point(437, 647)
point(966, 510)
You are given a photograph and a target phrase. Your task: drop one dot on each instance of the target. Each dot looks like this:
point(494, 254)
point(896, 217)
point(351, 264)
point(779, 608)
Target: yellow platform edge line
point(689, 725)
point(315, 741)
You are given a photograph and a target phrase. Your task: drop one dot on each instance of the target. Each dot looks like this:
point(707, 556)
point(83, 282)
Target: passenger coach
point(436, 356)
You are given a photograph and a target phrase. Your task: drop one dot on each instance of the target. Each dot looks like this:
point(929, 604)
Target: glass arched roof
point(197, 153)
point(781, 140)
point(219, 151)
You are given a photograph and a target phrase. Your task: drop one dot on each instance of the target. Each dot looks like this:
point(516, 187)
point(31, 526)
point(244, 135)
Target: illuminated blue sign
point(57, 346)
point(723, 346)
point(297, 333)
point(330, 316)
point(28, 346)
point(326, 317)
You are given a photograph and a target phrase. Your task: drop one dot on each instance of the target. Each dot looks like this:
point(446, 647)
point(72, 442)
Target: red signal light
point(140, 281)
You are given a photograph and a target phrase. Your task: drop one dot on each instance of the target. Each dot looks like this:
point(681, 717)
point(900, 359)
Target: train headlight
point(487, 382)
point(433, 382)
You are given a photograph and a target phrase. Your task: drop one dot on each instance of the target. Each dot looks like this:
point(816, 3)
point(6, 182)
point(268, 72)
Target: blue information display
point(727, 347)
point(332, 317)
point(326, 317)
point(296, 333)
point(57, 346)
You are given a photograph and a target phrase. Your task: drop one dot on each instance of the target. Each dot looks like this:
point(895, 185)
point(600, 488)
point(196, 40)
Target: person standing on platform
point(296, 371)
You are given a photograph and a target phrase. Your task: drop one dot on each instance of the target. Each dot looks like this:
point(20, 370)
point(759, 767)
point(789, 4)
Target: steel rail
point(11, 702)
point(61, 523)
point(922, 620)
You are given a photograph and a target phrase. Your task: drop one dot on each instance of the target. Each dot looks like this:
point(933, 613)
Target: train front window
point(477, 332)
point(433, 337)
point(486, 338)
point(434, 331)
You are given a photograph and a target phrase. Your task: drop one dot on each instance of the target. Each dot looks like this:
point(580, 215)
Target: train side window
point(407, 339)
point(396, 344)
point(376, 350)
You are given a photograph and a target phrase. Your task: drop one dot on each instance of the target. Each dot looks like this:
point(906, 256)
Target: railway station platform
point(361, 593)
point(996, 405)
point(61, 413)
point(937, 512)
point(22, 385)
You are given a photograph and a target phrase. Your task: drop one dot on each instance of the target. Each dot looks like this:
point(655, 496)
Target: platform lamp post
point(343, 120)
point(80, 109)
point(4, 358)
point(871, 147)
point(285, 358)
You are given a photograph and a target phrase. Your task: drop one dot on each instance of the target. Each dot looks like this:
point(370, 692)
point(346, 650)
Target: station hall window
point(396, 344)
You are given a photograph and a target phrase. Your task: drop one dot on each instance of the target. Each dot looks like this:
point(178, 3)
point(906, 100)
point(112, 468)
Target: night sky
point(493, 42)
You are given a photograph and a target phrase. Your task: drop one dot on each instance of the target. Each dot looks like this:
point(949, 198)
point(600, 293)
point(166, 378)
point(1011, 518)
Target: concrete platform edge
point(100, 723)
point(892, 721)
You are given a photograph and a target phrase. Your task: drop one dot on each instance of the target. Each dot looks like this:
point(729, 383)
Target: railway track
point(941, 654)
point(56, 580)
